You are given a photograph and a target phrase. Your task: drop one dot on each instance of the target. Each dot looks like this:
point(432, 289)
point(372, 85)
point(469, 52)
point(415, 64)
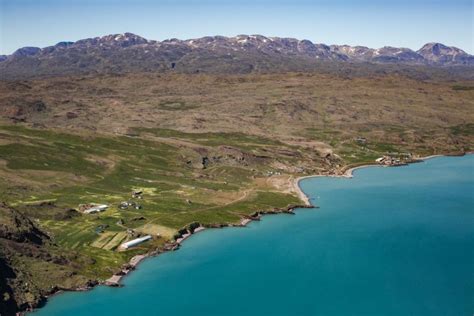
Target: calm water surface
point(390, 241)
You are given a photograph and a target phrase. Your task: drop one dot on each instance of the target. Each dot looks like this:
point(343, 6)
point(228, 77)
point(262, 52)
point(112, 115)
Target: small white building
point(134, 242)
point(96, 209)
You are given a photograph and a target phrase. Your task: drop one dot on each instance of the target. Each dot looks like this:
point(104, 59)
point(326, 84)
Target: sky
point(372, 23)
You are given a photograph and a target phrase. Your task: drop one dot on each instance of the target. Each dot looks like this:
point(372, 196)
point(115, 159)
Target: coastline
point(115, 279)
point(348, 173)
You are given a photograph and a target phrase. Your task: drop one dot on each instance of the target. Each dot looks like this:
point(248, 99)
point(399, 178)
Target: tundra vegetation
point(204, 149)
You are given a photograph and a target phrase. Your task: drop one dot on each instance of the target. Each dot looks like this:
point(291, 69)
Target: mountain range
point(218, 54)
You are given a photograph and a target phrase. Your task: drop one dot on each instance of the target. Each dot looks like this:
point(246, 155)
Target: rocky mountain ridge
point(240, 54)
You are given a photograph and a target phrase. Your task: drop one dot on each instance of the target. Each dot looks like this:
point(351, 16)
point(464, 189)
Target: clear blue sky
point(366, 22)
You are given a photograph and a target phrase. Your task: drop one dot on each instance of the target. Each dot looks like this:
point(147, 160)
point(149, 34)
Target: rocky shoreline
point(115, 279)
point(185, 233)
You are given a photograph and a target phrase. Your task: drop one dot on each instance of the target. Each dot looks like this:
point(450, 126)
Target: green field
point(109, 169)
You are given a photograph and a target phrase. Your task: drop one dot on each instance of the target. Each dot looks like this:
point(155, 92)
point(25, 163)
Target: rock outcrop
point(25, 253)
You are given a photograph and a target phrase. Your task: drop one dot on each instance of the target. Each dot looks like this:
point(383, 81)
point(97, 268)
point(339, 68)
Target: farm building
point(124, 205)
point(96, 209)
point(135, 242)
point(137, 194)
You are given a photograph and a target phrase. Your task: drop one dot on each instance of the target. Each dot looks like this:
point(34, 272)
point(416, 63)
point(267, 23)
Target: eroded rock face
point(23, 110)
point(31, 264)
point(18, 237)
point(71, 115)
point(16, 227)
point(20, 240)
point(205, 157)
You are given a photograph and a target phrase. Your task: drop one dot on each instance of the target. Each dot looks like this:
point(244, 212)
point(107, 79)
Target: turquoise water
point(390, 241)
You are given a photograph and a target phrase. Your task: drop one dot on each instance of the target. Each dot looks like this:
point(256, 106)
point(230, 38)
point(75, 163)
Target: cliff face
point(20, 239)
point(16, 227)
point(31, 265)
point(8, 305)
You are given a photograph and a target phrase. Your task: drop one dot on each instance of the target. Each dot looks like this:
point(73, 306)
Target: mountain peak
point(440, 53)
point(26, 51)
point(123, 40)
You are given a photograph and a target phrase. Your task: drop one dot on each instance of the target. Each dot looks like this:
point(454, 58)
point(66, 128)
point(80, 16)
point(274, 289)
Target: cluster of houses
point(92, 208)
point(361, 140)
point(390, 161)
point(126, 204)
point(273, 173)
